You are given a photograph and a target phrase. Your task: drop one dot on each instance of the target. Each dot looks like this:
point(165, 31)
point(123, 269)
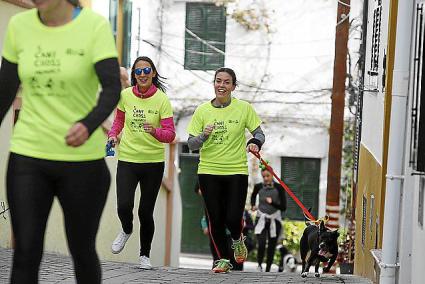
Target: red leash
point(287, 189)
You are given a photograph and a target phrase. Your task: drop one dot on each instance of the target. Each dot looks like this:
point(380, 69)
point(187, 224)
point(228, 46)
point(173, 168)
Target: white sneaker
point(145, 262)
point(119, 242)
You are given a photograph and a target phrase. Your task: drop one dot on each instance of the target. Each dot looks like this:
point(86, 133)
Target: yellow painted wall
point(370, 183)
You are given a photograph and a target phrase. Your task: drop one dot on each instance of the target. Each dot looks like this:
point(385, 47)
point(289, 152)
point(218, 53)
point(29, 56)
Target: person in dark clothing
point(272, 202)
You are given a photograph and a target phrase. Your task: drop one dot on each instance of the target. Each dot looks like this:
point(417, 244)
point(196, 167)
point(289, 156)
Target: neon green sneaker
point(239, 250)
point(222, 266)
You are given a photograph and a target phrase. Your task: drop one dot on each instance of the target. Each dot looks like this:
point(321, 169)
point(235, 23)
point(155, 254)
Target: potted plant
point(346, 250)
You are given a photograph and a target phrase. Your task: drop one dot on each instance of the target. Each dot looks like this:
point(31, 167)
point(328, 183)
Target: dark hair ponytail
point(158, 80)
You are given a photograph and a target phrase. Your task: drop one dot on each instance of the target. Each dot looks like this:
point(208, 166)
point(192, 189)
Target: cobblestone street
point(58, 269)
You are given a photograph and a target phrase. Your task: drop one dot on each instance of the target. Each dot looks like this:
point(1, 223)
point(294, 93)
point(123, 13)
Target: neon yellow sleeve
point(121, 105)
point(196, 125)
point(9, 46)
point(103, 42)
point(253, 120)
point(166, 110)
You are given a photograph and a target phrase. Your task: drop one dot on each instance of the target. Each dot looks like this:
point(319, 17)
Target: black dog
point(322, 244)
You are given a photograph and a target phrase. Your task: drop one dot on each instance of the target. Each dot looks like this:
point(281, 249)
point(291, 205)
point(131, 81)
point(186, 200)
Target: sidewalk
point(58, 269)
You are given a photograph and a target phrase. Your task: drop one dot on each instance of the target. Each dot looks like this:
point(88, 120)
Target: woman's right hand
point(113, 139)
point(208, 129)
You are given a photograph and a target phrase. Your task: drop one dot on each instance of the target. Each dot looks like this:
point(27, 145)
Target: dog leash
point(287, 189)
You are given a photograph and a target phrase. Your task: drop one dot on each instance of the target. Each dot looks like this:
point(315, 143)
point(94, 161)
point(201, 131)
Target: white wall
point(301, 58)
point(373, 100)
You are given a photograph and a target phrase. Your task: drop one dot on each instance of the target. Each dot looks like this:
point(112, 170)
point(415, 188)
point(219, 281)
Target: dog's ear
point(335, 233)
point(322, 226)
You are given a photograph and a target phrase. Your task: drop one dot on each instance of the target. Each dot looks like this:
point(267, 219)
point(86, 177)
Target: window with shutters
point(364, 215)
point(205, 36)
point(417, 112)
point(376, 38)
point(302, 175)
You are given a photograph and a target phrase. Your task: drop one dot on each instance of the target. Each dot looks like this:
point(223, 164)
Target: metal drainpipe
point(395, 171)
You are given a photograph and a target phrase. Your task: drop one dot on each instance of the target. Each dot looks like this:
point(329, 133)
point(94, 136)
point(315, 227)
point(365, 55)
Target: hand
point(114, 140)
point(269, 200)
point(208, 130)
point(252, 148)
point(149, 128)
point(206, 232)
point(254, 208)
point(77, 135)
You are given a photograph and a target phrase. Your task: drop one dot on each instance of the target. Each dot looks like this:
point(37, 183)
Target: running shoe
point(119, 242)
point(239, 249)
point(145, 262)
point(222, 266)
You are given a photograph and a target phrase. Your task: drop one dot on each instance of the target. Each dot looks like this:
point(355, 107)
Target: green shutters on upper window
point(208, 23)
point(302, 176)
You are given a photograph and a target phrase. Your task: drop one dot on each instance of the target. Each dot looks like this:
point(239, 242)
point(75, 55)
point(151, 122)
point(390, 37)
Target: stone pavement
point(58, 269)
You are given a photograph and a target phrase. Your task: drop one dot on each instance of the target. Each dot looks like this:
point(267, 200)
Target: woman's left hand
point(269, 200)
point(149, 128)
point(77, 135)
point(252, 148)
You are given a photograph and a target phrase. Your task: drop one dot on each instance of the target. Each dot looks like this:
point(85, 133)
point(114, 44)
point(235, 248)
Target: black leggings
point(149, 175)
point(81, 188)
point(271, 246)
point(224, 198)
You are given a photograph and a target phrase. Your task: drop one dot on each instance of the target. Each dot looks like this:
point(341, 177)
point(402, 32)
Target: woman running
point(218, 128)
point(145, 115)
point(272, 202)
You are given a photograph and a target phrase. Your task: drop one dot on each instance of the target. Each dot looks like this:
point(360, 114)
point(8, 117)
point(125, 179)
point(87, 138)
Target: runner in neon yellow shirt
point(145, 114)
point(59, 53)
point(218, 129)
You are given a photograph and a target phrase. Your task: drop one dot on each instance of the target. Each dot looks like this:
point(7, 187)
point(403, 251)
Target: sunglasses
point(139, 71)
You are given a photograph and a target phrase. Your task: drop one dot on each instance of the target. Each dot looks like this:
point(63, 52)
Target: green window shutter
point(302, 176)
point(126, 50)
point(208, 22)
point(192, 239)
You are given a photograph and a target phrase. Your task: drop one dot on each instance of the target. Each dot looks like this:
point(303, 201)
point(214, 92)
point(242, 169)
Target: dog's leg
point(303, 251)
point(316, 269)
point(330, 263)
point(307, 268)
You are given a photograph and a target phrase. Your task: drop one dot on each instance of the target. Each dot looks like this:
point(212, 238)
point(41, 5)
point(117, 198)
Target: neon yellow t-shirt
point(138, 146)
point(59, 82)
point(224, 152)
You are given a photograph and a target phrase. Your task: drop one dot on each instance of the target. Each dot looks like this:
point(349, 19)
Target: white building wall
point(373, 100)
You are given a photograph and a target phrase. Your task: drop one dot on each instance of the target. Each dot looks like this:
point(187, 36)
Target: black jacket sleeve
point(9, 85)
point(108, 72)
point(254, 193)
point(282, 197)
